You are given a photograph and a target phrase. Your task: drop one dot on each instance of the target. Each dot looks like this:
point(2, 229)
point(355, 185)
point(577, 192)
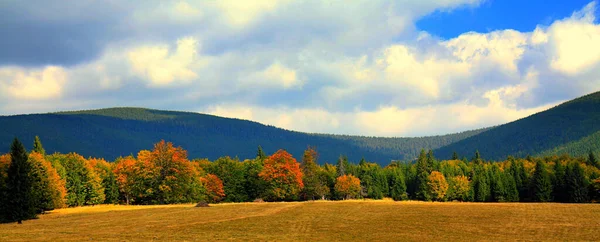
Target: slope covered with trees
point(115, 132)
point(570, 128)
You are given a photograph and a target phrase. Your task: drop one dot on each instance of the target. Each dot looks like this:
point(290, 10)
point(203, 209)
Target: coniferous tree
point(497, 186)
point(559, 183)
point(576, 183)
point(422, 177)
point(37, 146)
point(310, 169)
point(592, 160)
point(481, 186)
point(541, 183)
point(260, 154)
point(341, 169)
point(454, 156)
point(20, 205)
point(397, 184)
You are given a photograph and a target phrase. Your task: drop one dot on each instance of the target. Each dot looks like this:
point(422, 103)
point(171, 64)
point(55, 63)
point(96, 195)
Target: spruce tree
point(341, 169)
point(423, 171)
point(37, 146)
point(541, 183)
point(19, 205)
point(454, 156)
point(559, 191)
point(260, 154)
point(576, 183)
point(592, 160)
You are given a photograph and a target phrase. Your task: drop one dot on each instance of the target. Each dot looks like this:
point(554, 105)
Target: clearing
point(326, 221)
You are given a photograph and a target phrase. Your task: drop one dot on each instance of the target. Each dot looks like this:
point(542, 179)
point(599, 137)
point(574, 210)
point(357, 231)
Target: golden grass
point(323, 221)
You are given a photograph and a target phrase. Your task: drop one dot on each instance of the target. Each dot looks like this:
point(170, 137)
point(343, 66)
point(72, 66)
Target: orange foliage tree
point(48, 188)
point(437, 185)
point(281, 173)
point(347, 186)
point(214, 188)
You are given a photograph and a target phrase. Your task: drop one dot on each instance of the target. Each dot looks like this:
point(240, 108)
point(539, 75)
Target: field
point(324, 221)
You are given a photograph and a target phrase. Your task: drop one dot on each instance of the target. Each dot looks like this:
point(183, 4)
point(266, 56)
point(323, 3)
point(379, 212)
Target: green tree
point(455, 156)
point(260, 154)
point(559, 183)
point(541, 183)
point(340, 167)
point(592, 160)
point(232, 173)
point(20, 205)
point(422, 177)
point(397, 184)
point(254, 185)
point(37, 146)
point(481, 184)
point(310, 169)
point(576, 183)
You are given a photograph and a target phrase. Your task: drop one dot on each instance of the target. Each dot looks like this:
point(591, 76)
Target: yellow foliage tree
point(437, 185)
point(347, 186)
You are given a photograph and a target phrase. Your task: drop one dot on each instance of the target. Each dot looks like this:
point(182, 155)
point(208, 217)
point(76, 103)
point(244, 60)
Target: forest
point(35, 182)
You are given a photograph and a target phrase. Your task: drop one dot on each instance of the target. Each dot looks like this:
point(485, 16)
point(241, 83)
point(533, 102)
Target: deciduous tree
point(347, 186)
point(283, 177)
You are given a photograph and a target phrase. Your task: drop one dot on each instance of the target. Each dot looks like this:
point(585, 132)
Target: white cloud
point(162, 68)
point(39, 84)
point(322, 66)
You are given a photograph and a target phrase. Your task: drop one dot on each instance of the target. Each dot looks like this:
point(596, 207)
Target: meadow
point(321, 221)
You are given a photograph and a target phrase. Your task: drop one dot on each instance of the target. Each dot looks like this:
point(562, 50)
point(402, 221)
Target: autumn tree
point(20, 204)
point(48, 189)
point(282, 176)
point(135, 180)
point(458, 188)
point(84, 186)
point(347, 186)
point(214, 188)
point(109, 181)
point(437, 186)
point(176, 180)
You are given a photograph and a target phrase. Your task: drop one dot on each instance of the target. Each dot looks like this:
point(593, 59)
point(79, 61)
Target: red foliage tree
point(214, 188)
point(283, 176)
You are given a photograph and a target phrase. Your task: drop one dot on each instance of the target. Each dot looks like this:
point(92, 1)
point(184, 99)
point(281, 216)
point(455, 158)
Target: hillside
point(571, 127)
point(115, 132)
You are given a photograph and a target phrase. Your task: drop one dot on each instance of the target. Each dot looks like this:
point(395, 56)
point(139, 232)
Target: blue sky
point(366, 67)
point(493, 15)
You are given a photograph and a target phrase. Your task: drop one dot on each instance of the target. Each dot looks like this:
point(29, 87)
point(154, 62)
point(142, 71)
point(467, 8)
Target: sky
point(362, 67)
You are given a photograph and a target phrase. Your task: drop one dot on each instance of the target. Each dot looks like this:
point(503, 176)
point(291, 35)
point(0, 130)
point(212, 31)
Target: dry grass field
point(322, 221)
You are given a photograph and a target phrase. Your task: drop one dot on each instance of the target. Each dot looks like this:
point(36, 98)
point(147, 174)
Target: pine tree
point(397, 184)
point(454, 156)
point(260, 154)
point(477, 158)
point(576, 183)
point(20, 206)
point(559, 191)
point(310, 170)
point(37, 146)
point(341, 169)
point(481, 186)
point(541, 183)
point(423, 171)
point(592, 161)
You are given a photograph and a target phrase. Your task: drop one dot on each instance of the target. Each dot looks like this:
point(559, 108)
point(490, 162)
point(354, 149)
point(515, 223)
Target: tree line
point(34, 182)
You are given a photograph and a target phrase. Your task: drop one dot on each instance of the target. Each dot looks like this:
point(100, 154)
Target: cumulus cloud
point(315, 66)
point(45, 83)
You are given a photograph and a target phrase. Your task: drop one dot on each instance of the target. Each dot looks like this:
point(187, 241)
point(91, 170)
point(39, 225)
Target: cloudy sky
point(373, 67)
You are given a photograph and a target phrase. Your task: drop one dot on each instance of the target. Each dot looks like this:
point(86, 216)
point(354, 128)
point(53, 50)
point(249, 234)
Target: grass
point(322, 221)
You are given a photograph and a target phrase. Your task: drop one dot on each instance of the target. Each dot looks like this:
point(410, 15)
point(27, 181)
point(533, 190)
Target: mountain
point(114, 132)
point(571, 127)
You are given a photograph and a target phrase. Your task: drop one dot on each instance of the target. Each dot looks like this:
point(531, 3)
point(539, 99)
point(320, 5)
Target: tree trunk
point(19, 222)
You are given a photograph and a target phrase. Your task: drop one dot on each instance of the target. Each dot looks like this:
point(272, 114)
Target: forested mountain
point(571, 128)
point(114, 132)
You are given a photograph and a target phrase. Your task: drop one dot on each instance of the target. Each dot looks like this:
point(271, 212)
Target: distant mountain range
point(572, 127)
